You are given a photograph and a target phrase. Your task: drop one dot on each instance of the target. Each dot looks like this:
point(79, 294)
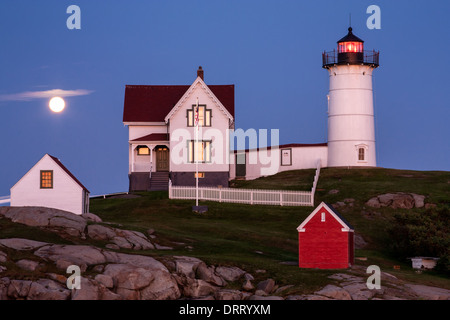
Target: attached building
point(50, 184)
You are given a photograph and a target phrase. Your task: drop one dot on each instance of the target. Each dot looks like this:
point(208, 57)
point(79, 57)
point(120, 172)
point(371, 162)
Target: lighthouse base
point(351, 154)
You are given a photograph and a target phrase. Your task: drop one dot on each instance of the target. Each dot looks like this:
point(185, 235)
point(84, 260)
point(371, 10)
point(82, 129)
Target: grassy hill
point(265, 237)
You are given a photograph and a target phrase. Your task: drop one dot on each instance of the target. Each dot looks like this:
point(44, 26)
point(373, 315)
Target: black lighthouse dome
point(350, 50)
point(350, 37)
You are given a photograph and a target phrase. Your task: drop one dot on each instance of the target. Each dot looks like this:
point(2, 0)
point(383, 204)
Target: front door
point(162, 159)
point(241, 169)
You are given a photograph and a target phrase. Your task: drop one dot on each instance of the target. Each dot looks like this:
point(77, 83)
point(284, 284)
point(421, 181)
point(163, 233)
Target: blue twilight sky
point(271, 51)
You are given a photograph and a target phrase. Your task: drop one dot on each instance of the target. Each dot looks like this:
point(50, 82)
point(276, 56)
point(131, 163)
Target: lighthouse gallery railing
point(369, 57)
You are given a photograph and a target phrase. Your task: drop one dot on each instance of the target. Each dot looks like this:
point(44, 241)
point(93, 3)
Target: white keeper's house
point(162, 137)
point(50, 184)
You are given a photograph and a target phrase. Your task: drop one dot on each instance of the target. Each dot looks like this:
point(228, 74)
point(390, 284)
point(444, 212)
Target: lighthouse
point(351, 123)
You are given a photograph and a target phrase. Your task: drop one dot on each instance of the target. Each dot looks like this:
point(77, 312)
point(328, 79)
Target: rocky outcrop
point(122, 238)
point(354, 287)
point(265, 287)
point(115, 276)
point(125, 276)
point(429, 293)
point(84, 226)
point(398, 200)
point(111, 275)
point(230, 273)
point(21, 244)
point(334, 292)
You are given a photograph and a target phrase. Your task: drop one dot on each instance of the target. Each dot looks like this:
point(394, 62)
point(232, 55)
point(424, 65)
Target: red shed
point(325, 240)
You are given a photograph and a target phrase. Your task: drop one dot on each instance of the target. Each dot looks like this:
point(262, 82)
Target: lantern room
point(350, 43)
point(350, 50)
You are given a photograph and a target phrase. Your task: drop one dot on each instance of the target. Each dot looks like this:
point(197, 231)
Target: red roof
point(68, 172)
point(154, 137)
point(284, 146)
point(153, 103)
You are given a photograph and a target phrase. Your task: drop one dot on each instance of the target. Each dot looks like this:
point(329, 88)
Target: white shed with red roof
point(50, 184)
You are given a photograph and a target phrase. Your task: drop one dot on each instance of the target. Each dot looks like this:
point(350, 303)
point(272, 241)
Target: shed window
point(322, 218)
point(46, 179)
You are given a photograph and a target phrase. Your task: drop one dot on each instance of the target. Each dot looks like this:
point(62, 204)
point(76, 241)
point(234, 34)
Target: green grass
point(256, 237)
point(260, 237)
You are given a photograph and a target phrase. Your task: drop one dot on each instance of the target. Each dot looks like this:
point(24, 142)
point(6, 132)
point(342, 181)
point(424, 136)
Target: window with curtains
point(201, 153)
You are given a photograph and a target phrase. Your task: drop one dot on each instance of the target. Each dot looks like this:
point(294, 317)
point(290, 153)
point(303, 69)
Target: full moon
point(57, 104)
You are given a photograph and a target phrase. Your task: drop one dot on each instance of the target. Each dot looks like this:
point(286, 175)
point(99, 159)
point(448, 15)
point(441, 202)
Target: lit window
point(46, 179)
point(143, 151)
point(201, 175)
point(204, 116)
point(203, 151)
point(361, 154)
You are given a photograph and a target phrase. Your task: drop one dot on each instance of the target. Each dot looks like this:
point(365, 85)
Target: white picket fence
point(248, 196)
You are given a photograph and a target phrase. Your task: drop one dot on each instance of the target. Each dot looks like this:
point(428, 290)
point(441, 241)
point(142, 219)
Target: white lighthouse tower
point(351, 125)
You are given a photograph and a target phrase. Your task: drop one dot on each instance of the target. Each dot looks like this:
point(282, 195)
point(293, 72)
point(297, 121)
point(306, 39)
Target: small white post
point(196, 153)
point(132, 158)
point(170, 189)
point(151, 160)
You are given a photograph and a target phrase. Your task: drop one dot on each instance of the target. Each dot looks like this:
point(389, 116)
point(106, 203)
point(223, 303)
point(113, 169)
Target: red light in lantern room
point(351, 47)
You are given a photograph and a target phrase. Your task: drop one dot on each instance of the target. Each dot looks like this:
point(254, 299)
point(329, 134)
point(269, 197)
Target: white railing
point(104, 196)
point(316, 180)
point(6, 199)
point(248, 196)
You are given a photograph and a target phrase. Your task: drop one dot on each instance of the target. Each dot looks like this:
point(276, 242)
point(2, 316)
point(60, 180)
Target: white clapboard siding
point(66, 194)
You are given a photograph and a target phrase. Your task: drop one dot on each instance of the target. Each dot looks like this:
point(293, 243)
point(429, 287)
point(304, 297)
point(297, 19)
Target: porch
point(149, 163)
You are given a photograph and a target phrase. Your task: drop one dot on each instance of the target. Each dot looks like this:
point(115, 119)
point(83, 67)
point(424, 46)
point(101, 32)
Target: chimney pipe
point(200, 73)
